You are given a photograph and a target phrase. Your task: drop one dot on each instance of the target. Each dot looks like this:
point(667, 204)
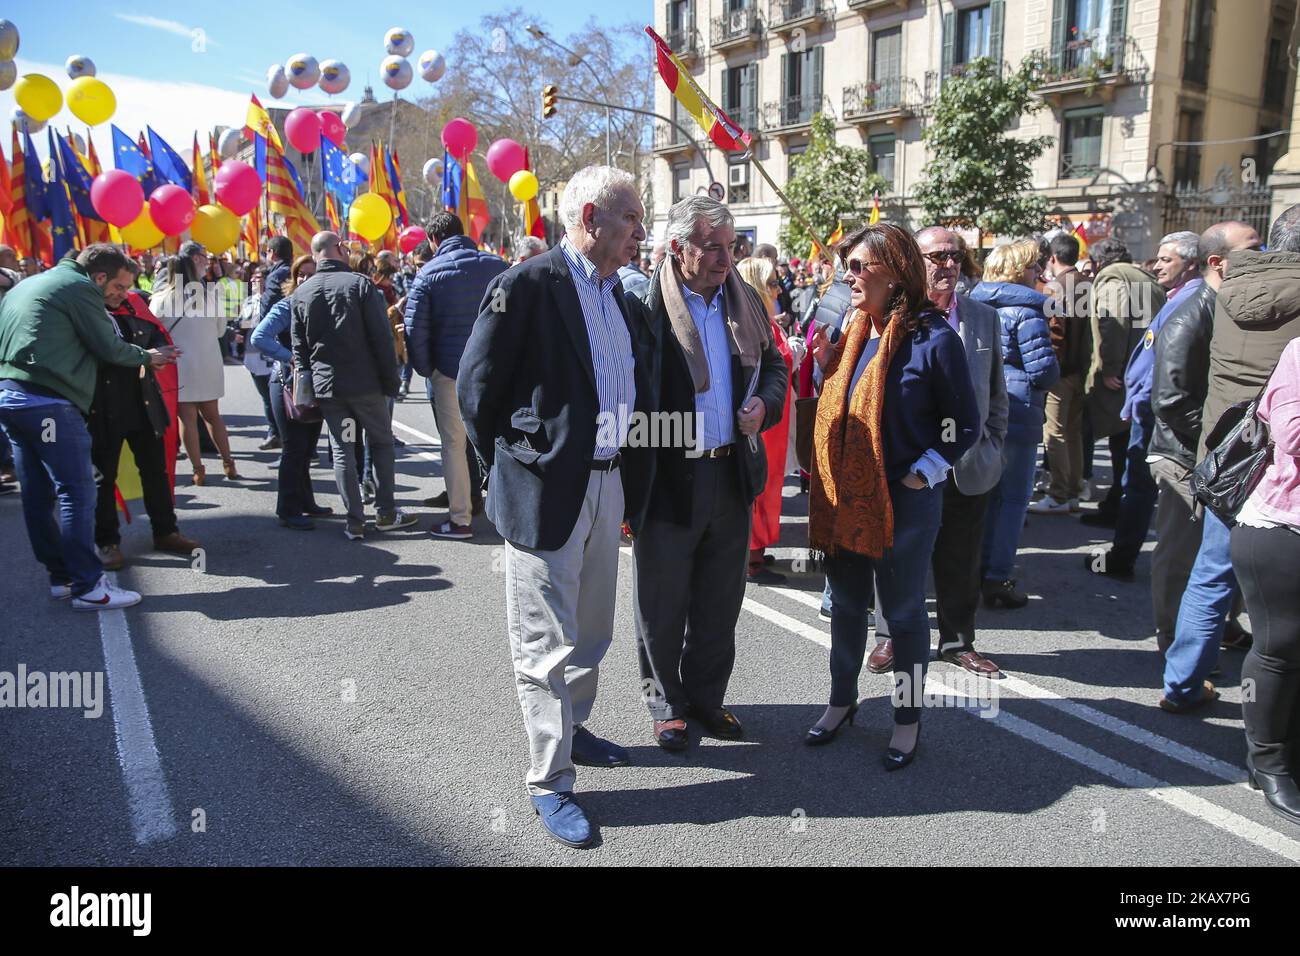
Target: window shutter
point(1118, 17)
point(787, 79)
point(817, 56)
point(1058, 26)
point(997, 17)
point(949, 41)
point(748, 92)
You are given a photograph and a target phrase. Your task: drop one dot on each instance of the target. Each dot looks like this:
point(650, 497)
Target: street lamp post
point(574, 60)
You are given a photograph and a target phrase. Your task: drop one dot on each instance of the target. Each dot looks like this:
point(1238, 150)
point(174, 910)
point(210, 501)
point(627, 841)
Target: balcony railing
point(736, 28)
point(792, 112)
point(788, 14)
point(871, 6)
point(1080, 165)
point(746, 119)
point(891, 96)
point(669, 138)
point(684, 42)
point(1088, 62)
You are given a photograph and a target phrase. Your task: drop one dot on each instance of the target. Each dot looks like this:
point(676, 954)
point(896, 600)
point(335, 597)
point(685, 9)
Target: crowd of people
point(920, 397)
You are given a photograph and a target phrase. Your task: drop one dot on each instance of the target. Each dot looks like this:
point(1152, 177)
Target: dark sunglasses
point(939, 258)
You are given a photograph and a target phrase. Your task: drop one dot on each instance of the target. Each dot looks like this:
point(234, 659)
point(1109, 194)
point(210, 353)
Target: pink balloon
point(460, 137)
point(410, 237)
point(302, 129)
point(332, 127)
point(171, 209)
point(237, 187)
point(117, 196)
point(505, 157)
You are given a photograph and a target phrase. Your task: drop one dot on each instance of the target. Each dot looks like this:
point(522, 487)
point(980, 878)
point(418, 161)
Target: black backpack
point(1239, 450)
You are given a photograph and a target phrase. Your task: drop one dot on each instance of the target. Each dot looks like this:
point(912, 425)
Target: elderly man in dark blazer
point(721, 372)
point(956, 559)
point(555, 367)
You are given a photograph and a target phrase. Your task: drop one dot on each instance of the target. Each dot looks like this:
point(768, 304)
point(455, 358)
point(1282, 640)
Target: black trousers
point(688, 590)
point(1118, 443)
point(956, 567)
point(1265, 561)
point(294, 493)
point(147, 448)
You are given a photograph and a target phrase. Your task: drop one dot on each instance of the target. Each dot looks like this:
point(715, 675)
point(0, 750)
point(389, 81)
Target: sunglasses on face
point(940, 257)
point(857, 266)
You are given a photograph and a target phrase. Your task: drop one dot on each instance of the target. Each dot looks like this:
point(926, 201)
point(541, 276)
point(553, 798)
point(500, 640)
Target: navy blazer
point(527, 393)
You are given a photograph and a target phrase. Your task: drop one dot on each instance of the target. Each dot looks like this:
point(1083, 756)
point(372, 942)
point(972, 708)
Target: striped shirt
point(611, 348)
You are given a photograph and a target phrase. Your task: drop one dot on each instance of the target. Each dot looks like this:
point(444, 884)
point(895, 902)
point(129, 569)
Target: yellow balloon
point(523, 185)
point(142, 234)
point(91, 101)
point(39, 96)
point(216, 228)
point(370, 216)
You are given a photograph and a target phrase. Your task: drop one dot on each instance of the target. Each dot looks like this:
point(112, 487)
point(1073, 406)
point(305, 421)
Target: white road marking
point(137, 752)
point(427, 439)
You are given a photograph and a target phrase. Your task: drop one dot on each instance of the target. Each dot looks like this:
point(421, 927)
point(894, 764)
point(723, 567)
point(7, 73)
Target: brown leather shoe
point(671, 734)
point(1207, 696)
point(972, 661)
point(110, 556)
point(175, 543)
point(881, 658)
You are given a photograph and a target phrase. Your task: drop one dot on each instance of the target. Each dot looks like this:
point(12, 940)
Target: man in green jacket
point(54, 331)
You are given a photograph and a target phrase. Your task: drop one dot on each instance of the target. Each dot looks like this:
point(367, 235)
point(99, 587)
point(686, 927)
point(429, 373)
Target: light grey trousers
point(560, 612)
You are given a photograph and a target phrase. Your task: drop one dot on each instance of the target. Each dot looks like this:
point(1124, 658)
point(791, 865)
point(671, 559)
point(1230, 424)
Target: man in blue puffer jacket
point(441, 308)
point(1030, 366)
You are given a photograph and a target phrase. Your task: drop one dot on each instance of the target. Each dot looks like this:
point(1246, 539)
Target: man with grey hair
point(721, 370)
point(530, 246)
point(554, 368)
point(1178, 267)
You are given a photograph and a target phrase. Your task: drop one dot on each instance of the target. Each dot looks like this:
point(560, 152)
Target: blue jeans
point(1138, 504)
point(52, 457)
point(1201, 615)
point(1008, 504)
point(898, 578)
point(6, 452)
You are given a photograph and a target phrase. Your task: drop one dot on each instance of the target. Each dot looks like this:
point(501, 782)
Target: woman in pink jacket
point(1266, 558)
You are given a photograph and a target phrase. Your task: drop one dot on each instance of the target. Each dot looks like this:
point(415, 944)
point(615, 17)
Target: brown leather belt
point(722, 451)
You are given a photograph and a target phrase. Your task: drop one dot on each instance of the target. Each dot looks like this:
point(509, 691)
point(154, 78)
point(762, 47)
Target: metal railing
point(792, 111)
point(877, 96)
point(737, 25)
point(1091, 58)
point(746, 119)
point(1080, 165)
point(684, 42)
point(785, 13)
point(667, 136)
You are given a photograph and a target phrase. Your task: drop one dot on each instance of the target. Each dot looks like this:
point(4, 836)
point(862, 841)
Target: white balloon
point(8, 40)
point(351, 115)
point(334, 76)
point(277, 83)
point(78, 66)
point(362, 160)
point(397, 72)
point(79, 142)
point(399, 42)
point(303, 71)
point(432, 65)
point(8, 74)
point(228, 143)
point(21, 119)
point(433, 172)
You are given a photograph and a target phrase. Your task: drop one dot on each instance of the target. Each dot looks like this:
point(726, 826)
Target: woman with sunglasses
point(896, 411)
point(1029, 364)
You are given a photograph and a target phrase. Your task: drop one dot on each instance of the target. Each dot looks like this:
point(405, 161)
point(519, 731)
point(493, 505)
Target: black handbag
point(1239, 449)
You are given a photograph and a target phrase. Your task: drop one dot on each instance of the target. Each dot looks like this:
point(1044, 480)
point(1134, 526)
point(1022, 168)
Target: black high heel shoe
point(896, 759)
point(1280, 791)
point(820, 735)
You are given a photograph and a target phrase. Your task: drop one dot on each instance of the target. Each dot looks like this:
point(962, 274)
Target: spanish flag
point(381, 185)
point(836, 237)
point(200, 179)
point(875, 212)
point(1081, 233)
point(533, 222)
point(473, 209)
point(724, 133)
point(258, 123)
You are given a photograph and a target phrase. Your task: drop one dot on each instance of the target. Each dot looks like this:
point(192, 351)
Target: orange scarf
point(849, 508)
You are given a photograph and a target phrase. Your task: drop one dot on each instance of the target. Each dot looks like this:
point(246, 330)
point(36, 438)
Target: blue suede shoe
point(591, 751)
point(563, 819)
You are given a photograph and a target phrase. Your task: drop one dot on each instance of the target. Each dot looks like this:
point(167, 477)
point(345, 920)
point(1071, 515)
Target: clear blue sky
point(147, 54)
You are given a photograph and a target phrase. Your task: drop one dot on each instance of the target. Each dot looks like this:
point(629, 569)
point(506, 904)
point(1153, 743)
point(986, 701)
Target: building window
point(792, 156)
point(801, 86)
point(1196, 41)
point(681, 181)
point(1276, 72)
point(1187, 159)
point(740, 94)
point(1080, 143)
point(973, 33)
point(882, 156)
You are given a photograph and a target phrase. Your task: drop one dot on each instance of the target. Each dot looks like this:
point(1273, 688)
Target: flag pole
point(821, 244)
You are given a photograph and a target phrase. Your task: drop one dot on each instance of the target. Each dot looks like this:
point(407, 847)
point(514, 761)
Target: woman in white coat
point(181, 302)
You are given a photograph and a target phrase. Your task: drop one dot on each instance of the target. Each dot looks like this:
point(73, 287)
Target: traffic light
point(549, 93)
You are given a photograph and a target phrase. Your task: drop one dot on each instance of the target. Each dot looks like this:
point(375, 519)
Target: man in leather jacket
point(1181, 381)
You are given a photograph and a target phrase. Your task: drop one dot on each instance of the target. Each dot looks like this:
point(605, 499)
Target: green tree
point(831, 182)
point(977, 175)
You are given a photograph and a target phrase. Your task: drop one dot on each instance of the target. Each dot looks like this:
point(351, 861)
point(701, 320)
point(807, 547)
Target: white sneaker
point(1049, 506)
point(1086, 492)
point(60, 592)
point(1075, 507)
point(105, 596)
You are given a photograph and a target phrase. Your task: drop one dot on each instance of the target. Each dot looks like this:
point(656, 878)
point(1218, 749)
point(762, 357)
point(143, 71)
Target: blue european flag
point(127, 157)
point(78, 180)
point(64, 231)
point(168, 164)
point(451, 180)
point(342, 176)
point(34, 182)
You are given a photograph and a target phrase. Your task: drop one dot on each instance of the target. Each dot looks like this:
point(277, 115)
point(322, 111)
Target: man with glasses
point(956, 558)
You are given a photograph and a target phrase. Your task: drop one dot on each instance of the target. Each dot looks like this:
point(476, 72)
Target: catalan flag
point(6, 199)
point(200, 180)
point(724, 133)
point(94, 229)
point(30, 238)
point(380, 185)
point(332, 214)
point(395, 181)
point(283, 198)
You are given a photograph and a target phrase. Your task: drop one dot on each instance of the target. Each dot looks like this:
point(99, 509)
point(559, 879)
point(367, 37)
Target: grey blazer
point(980, 468)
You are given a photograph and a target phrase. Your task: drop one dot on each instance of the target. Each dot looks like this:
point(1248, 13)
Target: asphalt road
point(299, 699)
